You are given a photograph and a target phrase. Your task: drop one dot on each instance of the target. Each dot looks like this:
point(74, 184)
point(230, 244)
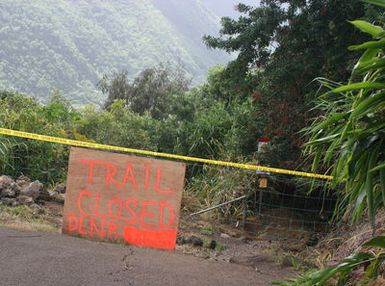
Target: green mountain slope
point(69, 44)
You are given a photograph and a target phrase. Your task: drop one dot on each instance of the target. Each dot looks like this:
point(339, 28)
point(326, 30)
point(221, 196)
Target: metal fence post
point(260, 201)
point(244, 204)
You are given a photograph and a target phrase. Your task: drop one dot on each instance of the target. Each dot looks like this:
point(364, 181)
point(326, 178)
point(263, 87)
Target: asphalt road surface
point(30, 258)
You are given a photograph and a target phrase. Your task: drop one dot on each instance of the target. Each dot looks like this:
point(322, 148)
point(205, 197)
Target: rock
point(9, 202)
point(180, 240)
point(9, 192)
point(25, 200)
point(60, 188)
point(313, 240)
point(23, 181)
point(8, 187)
point(52, 195)
point(33, 190)
point(5, 182)
point(56, 197)
point(213, 244)
point(60, 198)
point(195, 241)
point(224, 235)
point(44, 195)
point(37, 209)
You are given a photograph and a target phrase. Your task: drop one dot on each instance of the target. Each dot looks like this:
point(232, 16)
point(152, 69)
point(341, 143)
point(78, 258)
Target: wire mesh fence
point(287, 210)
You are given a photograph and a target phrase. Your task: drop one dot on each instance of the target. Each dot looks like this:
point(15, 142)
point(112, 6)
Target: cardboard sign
point(123, 198)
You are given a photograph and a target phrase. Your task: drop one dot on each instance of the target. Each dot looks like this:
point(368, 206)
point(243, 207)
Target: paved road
point(29, 258)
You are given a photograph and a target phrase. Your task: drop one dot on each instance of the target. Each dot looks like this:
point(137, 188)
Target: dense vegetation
point(267, 91)
point(350, 138)
point(69, 45)
point(283, 46)
point(351, 135)
point(310, 39)
point(154, 112)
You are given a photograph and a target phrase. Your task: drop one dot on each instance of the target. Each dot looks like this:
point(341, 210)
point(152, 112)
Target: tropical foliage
point(282, 46)
point(267, 91)
point(350, 135)
point(349, 138)
point(370, 261)
point(165, 119)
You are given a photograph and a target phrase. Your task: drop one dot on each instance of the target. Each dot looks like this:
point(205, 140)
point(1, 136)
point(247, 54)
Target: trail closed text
point(123, 198)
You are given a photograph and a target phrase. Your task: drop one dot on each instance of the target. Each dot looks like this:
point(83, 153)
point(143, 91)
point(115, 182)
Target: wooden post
point(244, 203)
point(262, 185)
point(260, 201)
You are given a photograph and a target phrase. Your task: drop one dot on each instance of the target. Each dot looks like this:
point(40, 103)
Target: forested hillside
point(69, 45)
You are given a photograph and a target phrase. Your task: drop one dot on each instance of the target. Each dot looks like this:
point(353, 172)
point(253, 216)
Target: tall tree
point(117, 86)
point(150, 91)
point(282, 46)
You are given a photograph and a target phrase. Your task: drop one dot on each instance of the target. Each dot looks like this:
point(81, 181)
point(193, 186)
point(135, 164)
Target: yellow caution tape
point(158, 154)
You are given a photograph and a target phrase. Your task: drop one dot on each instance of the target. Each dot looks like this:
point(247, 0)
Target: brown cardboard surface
point(124, 198)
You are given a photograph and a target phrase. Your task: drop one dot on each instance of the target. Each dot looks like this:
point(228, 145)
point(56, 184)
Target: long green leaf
point(370, 65)
point(368, 55)
point(378, 241)
point(365, 106)
point(382, 185)
point(359, 85)
point(331, 120)
point(366, 27)
point(369, 187)
point(378, 167)
point(359, 205)
point(368, 45)
point(380, 3)
point(330, 138)
point(330, 151)
point(320, 277)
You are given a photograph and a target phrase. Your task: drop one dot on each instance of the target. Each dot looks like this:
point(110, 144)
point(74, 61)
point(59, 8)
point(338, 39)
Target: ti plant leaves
point(350, 137)
point(339, 273)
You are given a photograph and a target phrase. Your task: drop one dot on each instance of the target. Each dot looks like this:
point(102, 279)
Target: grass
point(25, 218)
point(208, 230)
